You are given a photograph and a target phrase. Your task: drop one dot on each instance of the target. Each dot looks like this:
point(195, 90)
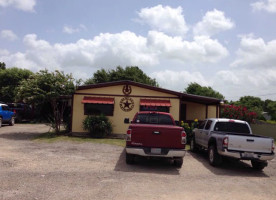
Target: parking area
point(72, 170)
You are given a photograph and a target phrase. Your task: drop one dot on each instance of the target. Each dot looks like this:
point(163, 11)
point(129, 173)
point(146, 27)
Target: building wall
point(119, 115)
point(198, 111)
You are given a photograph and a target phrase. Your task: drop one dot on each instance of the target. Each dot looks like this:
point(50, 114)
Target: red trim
point(155, 102)
point(98, 100)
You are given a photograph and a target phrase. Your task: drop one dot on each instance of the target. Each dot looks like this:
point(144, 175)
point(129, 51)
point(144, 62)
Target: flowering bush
point(189, 129)
point(238, 112)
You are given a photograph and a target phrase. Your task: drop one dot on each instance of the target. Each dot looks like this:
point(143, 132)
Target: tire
point(193, 146)
point(213, 156)
point(12, 121)
point(0, 122)
point(178, 162)
point(257, 165)
point(130, 159)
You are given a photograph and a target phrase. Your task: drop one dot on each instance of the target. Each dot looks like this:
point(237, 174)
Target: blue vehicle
point(6, 116)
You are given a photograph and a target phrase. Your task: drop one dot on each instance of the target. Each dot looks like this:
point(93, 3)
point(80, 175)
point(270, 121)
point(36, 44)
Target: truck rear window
point(232, 127)
point(154, 119)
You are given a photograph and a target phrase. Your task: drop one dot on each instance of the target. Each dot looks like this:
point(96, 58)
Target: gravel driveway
point(70, 170)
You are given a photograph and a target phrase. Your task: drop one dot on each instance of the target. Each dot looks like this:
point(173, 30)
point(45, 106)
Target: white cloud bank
point(268, 5)
point(8, 35)
point(255, 53)
point(165, 19)
point(24, 5)
point(212, 23)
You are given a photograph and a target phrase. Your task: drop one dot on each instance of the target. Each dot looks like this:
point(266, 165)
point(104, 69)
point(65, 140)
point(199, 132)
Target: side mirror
point(177, 123)
point(126, 120)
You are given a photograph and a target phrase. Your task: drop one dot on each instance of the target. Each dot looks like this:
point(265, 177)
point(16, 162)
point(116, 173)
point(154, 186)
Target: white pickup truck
point(232, 138)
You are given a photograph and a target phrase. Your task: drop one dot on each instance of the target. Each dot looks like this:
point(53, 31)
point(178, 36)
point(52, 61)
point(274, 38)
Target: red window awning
point(98, 100)
point(155, 102)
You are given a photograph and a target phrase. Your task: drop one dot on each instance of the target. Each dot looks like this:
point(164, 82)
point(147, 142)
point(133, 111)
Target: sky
point(227, 45)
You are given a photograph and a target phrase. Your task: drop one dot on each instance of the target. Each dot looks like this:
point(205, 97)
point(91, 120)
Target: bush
point(189, 129)
point(98, 126)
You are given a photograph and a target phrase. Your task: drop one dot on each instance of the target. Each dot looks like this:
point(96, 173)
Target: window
point(201, 126)
point(155, 108)
point(97, 109)
point(208, 125)
point(154, 119)
point(232, 127)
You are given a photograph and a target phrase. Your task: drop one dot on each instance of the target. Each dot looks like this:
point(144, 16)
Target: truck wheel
point(193, 146)
point(0, 122)
point(214, 158)
point(178, 162)
point(11, 123)
point(129, 159)
point(257, 165)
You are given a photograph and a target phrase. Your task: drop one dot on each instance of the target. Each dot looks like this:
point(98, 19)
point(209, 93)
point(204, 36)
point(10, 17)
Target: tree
point(9, 80)
point(2, 65)
point(272, 109)
point(254, 104)
point(43, 89)
point(195, 88)
point(129, 73)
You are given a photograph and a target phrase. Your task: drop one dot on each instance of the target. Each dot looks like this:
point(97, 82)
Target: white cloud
point(202, 49)
point(105, 50)
point(8, 35)
point(71, 30)
point(268, 5)
point(255, 52)
point(213, 22)
point(178, 80)
point(25, 5)
point(164, 18)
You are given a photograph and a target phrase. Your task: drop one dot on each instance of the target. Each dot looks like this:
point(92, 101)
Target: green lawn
point(50, 137)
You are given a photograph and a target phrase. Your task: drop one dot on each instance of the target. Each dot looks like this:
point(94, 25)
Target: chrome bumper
point(173, 153)
point(238, 155)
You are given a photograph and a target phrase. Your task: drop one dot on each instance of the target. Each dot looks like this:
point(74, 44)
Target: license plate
point(247, 155)
point(155, 151)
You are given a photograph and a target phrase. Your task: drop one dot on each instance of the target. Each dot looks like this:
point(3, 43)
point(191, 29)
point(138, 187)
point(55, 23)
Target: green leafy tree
point(272, 109)
point(43, 89)
point(129, 73)
point(9, 80)
point(2, 65)
point(196, 89)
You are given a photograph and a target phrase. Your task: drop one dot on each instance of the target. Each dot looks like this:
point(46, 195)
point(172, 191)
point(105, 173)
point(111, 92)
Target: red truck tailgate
point(161, 136)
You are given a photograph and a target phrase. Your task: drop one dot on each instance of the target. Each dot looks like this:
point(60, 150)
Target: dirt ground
point(70, 170)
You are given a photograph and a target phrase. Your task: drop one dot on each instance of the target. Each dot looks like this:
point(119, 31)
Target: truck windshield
point(232, 127)
point(154, 119)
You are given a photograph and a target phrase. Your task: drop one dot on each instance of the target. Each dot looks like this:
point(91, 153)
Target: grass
point(50, 138)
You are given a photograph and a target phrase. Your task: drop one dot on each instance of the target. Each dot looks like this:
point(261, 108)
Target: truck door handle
point(156, 132)
point(250, 140)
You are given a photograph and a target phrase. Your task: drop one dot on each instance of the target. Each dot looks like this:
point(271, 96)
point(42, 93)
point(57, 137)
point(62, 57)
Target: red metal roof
point(155, 102)
point(98, 100)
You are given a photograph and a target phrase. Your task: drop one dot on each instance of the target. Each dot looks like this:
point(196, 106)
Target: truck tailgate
point(249, 143)
point(161, 136)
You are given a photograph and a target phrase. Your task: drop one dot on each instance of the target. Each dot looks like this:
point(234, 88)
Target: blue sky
point(228, 45)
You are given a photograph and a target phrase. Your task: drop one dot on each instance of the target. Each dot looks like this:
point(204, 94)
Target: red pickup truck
point(155, 134)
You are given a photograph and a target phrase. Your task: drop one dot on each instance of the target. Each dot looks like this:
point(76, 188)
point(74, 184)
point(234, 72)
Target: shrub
point(189, 129)
point(98, 126)
point(238, 112)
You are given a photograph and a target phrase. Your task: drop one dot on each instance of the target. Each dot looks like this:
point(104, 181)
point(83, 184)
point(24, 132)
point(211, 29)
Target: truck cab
point(6, 116)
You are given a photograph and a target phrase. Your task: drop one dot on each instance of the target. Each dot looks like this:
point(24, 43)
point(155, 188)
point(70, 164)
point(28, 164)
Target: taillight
point(128, 135)
point(273, 146)
point(225, 142)
point(183, 137)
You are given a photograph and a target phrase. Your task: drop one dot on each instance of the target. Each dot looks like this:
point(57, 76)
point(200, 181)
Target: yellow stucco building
point(122, 99)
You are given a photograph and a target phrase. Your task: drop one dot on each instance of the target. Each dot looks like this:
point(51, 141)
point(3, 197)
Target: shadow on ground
point(229, 167)
point(145, 165)
point(19, 136)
